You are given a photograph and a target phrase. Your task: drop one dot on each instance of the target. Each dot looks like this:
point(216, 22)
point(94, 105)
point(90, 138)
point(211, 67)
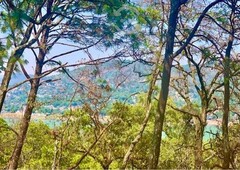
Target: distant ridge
point(55, 96)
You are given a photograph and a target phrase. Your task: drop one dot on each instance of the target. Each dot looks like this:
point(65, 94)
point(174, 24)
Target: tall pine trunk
point(160, 115)
point(12, 61)
point(198, 153)
point(6, 79)
point(8, 74)
point(148, 107)
point(225, 119)
point(199, 133)
point(13, 162)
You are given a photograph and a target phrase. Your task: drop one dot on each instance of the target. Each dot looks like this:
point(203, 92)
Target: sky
point(57, 49)
point(72, 58)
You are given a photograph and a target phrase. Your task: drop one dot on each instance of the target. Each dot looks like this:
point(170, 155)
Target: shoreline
point(214, 122)
point(40, 116)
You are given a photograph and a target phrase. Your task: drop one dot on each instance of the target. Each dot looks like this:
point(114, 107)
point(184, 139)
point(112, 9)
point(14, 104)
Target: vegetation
point(134, 84)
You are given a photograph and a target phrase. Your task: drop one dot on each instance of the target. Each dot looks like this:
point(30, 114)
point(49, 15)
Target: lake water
point(209, 132)
point(51, 123)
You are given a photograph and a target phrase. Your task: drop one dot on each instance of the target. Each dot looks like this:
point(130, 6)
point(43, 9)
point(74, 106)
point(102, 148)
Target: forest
point(119, 84)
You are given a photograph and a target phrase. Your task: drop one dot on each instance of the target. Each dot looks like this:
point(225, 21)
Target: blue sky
point(72, 58)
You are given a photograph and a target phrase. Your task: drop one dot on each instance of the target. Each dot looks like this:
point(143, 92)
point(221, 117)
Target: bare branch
point(191, 35)
point(92, 146)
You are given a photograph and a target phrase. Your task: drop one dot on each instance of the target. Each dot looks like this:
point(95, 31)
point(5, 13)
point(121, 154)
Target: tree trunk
point(6, 79)
point(12, 61)
point(226, 145)
point(147, 115)
point(199, 133)
point(198, 152)
point(55, 163)
point(13, 162)
point(159, 117)
point(8, 74)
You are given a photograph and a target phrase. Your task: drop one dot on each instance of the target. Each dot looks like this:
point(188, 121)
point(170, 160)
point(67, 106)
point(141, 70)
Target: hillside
point(111, 81)
point(56, 95)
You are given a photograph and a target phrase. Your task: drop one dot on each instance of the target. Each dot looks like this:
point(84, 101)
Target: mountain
point(16, 78)
point(111, 81)
point(108, 82)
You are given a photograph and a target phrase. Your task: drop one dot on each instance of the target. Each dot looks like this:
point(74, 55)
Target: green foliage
point(83, 127)
point(177, 152)
point(206, 53)
point(115, 23)
point(3, 55)
point(38, 150)
point(215, 148)
point(7, 138)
